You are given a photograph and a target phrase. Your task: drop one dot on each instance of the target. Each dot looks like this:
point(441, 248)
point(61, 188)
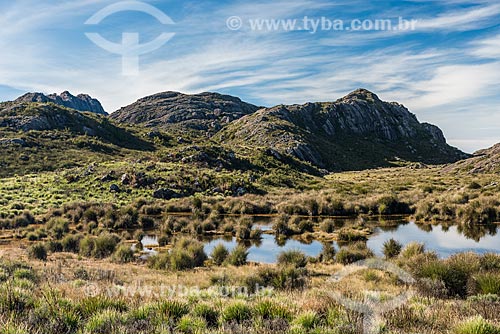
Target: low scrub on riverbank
point(454, 295)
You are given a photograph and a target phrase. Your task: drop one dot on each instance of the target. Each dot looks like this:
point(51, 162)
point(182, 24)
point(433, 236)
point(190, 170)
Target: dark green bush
point(71, 243)
point(237, 312)
point(147, 222)
point(58, 227)
point(238, 256)
point(219, 254)
point(37, 251)
point(292, 257)
point(328, 253)
point(123, 254)
point(98, 247)
point(392, 248)
point(207, 312)
point(186, 254)
point(105, 245)
point(353, 253)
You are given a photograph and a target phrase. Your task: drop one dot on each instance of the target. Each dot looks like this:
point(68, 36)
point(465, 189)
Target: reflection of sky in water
point(267, 250)
point(445, 243)
point(149, 240)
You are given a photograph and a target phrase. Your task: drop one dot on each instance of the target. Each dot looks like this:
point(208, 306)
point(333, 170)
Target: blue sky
point(447, 70)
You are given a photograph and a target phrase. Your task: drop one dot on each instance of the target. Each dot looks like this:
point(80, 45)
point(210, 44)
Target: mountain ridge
point(81, 102)
point(358, 128)
point(355, 132)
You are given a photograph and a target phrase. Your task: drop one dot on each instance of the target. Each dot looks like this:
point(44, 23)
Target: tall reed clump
point(392, 248)
point(186, 254)
point(476, 325)
point(219, 254)
point(238, 256)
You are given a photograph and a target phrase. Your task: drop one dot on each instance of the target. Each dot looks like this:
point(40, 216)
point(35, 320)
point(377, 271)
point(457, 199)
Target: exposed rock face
point(49, 117)
point(483, 161)
point(81, 102)
point(355, 132)
point(205, 111)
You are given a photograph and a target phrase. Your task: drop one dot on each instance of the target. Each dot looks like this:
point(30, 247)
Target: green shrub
point(123, 254)
point(392, 248)
point(186, 254)
point(219, 254)
point(238, 256)
point(207, 312)
point(89, 215)
point(103, 322)
point(353, 253)
point(455, 272)
point(90, 306)
point(488, 283)
point(280, 226)
point(23, 220)
point(191, 325)
point(304, 226)
point(160, 261)
point(15, 300)
point(476, 325)
point(58, 227)
point(389, 205)
point(86, 246)
point(270, 310)
point(173, 309)
point(256, 234)
point(98, 247)
point(474, 185)
point(412, 249)
point(71, 243)
point(54, 246)
point(292, 257)
point(308, 320)
point(490, 261)
point(289, 278)
point(25, 273)
point(237, 312)
point(350, 235)
point(243, 233)
point(105, 245)
point(147, 222)
point(32, 236)
point(327, 253)
point(181, 259)
point(38, 252)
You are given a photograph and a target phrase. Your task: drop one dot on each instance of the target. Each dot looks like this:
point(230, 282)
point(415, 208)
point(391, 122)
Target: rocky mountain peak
point(82, 102)
point(360, 94)
point(357, 131)
point(206, 112)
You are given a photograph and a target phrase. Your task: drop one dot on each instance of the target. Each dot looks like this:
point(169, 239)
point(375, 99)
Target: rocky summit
point(358, 131)
point(81, 102)
point(208, 112)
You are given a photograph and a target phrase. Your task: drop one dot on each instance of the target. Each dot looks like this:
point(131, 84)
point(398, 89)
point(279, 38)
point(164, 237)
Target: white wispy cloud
point(464, 19)
point(487, 48)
